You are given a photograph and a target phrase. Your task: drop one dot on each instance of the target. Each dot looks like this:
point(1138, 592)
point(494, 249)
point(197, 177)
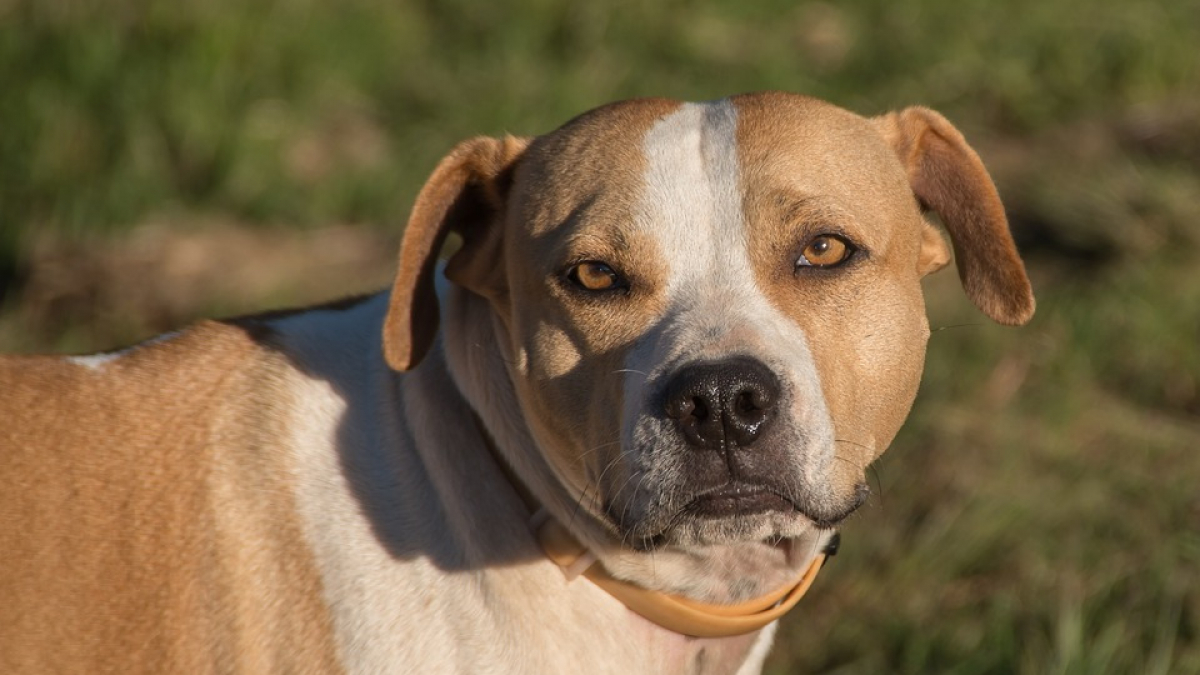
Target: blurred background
point(1040, 513)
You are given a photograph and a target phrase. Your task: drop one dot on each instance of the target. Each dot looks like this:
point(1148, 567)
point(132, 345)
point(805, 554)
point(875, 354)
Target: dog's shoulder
point(126, 472)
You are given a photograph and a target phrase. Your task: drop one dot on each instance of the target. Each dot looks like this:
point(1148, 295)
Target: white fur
point(98, 361)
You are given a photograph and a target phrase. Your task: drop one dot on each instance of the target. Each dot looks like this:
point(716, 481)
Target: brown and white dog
point(679, 332)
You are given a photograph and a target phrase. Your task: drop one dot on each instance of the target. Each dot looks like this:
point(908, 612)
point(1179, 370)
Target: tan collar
point(673, 612)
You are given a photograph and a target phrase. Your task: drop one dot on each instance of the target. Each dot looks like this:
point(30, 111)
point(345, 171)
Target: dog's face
point(719, 324)
point(712, 313)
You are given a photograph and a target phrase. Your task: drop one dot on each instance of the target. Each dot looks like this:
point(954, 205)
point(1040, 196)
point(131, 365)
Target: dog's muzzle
point(723, 411)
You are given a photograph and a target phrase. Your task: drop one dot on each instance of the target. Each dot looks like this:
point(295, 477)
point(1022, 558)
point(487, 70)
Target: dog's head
point(711, 313)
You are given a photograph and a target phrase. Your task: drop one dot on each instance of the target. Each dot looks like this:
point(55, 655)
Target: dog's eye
point(825, 250)
point(595, 276)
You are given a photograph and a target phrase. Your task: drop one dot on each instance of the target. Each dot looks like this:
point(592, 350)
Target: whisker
point(595, 493)
point(481, 346)
point(847, 461)
point(955, 325)
point(583, 455)
point(874, 469)
point(631, 370)
point(629, 502)
point(878, 483)
point(850, 442)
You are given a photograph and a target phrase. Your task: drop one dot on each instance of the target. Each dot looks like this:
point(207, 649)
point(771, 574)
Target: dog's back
point(107, 463)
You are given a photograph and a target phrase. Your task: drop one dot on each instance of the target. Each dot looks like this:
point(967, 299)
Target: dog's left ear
point(947, 176)
point(465, 194)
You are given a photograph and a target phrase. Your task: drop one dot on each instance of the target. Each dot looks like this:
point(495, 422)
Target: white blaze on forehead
point(692, 200)
point(692, 203)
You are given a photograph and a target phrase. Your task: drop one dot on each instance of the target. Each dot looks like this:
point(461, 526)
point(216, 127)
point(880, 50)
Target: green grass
point(304, 111)
point(1039, 513)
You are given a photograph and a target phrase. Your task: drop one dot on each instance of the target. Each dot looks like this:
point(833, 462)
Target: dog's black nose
point(725, 403)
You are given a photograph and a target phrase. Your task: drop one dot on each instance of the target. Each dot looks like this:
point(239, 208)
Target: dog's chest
point(711, 656)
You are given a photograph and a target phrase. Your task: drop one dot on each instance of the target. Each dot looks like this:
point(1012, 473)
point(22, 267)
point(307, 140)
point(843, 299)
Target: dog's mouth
point(735, 511)
point(736, 499)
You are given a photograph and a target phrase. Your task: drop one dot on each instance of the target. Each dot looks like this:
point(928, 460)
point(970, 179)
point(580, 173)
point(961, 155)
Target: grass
point(161, 161)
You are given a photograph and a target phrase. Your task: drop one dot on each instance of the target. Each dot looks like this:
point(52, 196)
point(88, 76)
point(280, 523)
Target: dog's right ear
point(465, 194)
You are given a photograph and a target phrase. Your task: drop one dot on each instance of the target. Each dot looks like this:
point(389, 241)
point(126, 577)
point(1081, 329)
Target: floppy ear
point(465, 194)
point(947, 176)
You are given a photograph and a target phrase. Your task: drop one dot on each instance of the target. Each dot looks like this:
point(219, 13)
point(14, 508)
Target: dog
point(614, 434)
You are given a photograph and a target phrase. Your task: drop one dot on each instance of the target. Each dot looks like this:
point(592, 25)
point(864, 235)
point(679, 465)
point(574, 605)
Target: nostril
point(751, 405)
point(747, 402)
point(684, 407)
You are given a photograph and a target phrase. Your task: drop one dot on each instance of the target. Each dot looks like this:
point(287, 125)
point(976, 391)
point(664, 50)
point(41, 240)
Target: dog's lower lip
point(738, 500)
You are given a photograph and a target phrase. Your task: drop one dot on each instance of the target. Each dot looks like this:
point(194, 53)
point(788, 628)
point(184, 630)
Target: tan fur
point(866, 325)
point(268, 495)
point(132, 537)
point(464, 191)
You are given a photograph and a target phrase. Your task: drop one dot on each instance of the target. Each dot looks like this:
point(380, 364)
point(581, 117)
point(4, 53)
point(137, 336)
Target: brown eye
point(595, 276)
point(825, 250)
